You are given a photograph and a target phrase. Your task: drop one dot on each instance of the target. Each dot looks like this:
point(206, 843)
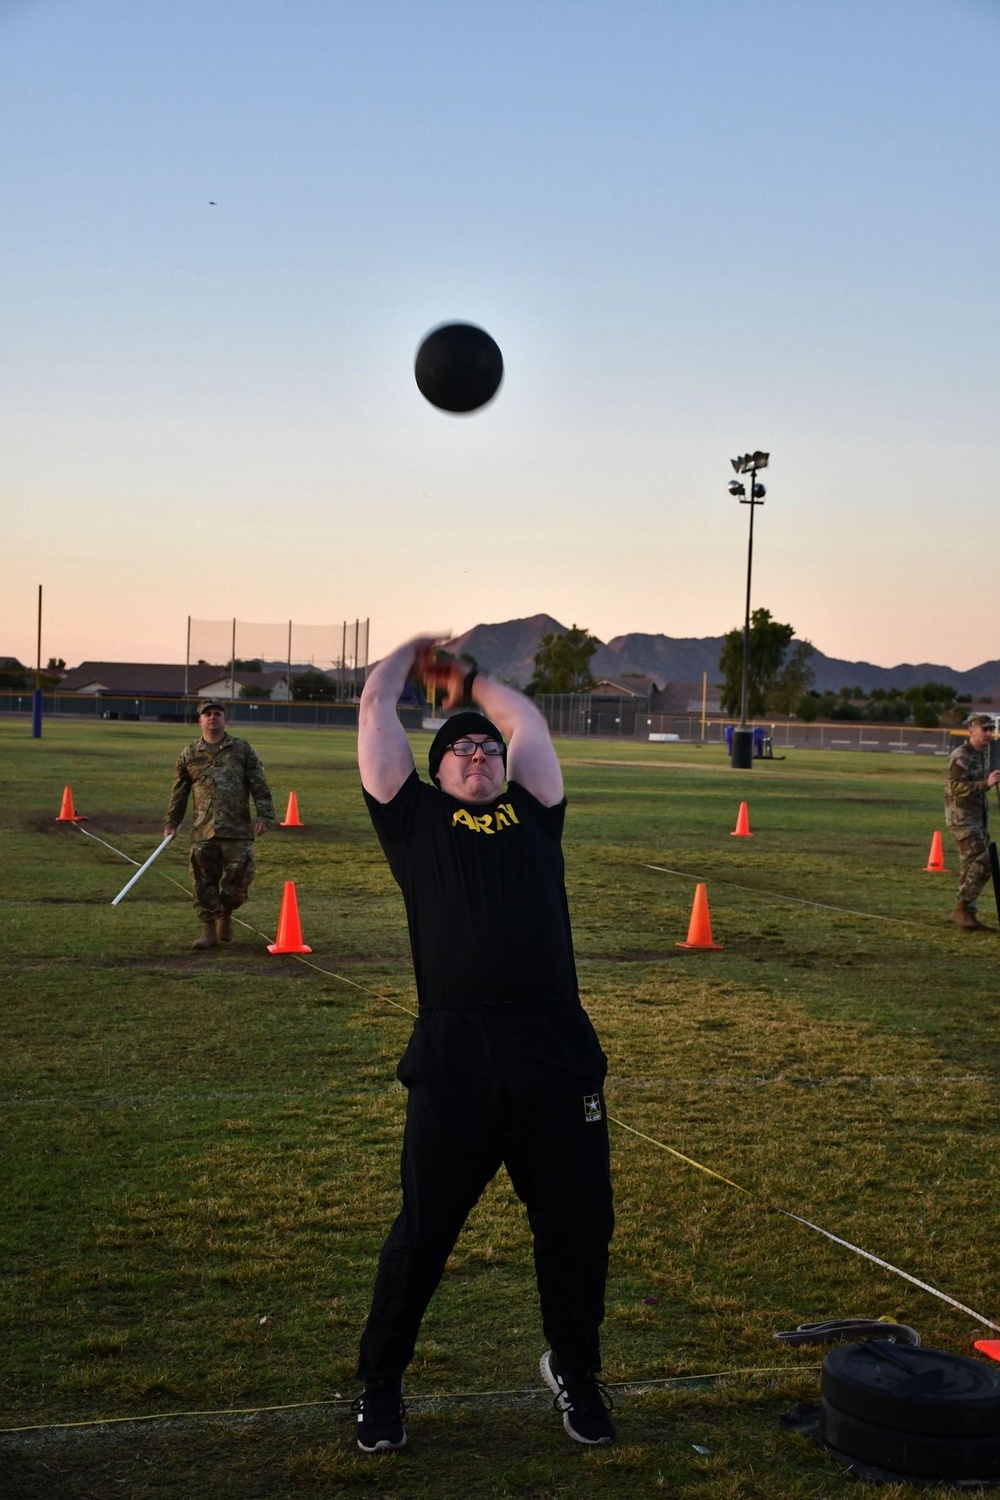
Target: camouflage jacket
point(222, 777)
point(965, 791)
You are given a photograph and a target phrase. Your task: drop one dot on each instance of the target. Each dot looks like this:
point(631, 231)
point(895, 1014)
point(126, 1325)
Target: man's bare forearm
point(531, 759)
point(384, 756)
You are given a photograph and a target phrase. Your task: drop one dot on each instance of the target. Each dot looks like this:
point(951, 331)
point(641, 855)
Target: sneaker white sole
point(558, 1389)
point(383, 1446)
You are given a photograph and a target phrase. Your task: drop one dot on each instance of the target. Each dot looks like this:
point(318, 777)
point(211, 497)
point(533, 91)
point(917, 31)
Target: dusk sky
point(694, 227)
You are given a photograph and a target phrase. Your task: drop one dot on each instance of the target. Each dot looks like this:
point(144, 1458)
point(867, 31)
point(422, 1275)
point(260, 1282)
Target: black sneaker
point(583, 1402)
point(380, 1412)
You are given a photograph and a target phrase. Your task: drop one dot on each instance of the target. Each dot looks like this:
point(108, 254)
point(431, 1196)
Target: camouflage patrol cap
point(207, 703)
point(984, 721)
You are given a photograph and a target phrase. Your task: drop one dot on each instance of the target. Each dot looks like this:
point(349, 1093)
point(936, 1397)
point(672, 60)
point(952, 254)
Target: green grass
point(201, 1149)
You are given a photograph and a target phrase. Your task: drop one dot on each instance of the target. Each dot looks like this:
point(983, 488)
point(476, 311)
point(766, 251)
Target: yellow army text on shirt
point(221, 778)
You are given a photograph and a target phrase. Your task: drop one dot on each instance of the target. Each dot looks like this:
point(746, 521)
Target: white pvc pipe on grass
point(142, 869)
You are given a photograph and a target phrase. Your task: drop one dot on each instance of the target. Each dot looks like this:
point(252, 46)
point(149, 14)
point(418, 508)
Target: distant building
point(629, 685)
point(126, 679)
point(272, 685)
point(671, 698)
point(685, 698)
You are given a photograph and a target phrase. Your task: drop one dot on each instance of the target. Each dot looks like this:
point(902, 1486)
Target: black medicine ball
point(458, 367)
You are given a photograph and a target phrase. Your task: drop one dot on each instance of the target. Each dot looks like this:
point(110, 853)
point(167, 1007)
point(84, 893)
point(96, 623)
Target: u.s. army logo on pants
point(592, 1108)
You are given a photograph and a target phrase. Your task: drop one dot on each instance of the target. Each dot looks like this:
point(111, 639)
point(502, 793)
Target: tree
point(562, 662)
point(794, 680)
point(769, 640)
point(313, 687)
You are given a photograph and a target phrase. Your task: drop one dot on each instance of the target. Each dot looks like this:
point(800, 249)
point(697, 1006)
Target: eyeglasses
point(469, 747)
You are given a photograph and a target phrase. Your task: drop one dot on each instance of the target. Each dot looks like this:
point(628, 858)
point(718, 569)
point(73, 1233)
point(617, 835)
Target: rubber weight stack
point(914, 1411)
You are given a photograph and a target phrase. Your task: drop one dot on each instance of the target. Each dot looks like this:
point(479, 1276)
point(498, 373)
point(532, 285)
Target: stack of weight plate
point(917, 1413)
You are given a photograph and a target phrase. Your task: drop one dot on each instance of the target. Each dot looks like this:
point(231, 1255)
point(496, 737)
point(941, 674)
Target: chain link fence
point(575, 715)
point(582, 714)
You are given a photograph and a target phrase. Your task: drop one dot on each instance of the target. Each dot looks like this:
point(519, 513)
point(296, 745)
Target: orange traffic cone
point(700, 926)
point(935, 860)
point(742, 829)
point(289, 939)
point(292, 819)
point(66, 813)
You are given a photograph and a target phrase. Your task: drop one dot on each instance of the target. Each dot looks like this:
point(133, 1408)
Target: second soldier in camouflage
point(222, 773)
point(965, 806)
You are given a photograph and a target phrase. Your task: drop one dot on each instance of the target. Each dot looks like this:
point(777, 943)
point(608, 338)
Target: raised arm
point(384, 755)
point(531, 756)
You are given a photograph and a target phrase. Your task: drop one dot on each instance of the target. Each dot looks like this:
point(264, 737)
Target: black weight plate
point(915, 1453)
point(913, 1389)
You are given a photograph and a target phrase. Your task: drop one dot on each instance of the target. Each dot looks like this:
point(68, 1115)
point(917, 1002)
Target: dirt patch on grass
point(70, 901)
point(311, 833)
point(250, 960)
point(107, 823)
point(640, 956)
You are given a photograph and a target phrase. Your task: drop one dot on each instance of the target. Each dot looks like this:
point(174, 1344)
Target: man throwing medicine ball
point(965, 810)
point(503, 1066)
point(223, 773)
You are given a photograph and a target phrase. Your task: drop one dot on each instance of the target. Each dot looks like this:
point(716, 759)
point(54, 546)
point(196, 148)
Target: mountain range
point(507, 651)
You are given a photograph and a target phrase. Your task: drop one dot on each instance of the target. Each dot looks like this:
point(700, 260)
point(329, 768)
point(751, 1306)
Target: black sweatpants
point(488, 1088)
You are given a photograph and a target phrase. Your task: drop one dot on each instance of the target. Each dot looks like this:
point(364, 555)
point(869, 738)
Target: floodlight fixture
point(735, 488)
point(749, 463)
point(759, 492)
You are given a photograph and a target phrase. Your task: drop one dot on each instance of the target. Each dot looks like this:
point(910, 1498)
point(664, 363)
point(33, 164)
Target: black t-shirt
point(485, 896)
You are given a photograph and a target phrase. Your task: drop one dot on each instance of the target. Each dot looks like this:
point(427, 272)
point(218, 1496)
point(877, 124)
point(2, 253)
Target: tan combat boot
point(224, 926)
point(208, 938)
point(964, 917)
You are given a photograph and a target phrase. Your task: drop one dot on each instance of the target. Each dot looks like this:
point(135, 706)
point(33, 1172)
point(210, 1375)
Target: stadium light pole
point(742, 753)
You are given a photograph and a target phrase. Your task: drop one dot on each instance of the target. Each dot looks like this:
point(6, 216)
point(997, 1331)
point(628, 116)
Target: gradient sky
point(695, 227)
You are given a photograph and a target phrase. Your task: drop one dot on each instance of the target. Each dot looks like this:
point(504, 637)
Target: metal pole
point(187, 666)
point(746, 617)
point(232, 659)
point(36, 701)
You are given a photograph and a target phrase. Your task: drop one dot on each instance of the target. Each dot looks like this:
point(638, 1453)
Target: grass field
point(201, 1149)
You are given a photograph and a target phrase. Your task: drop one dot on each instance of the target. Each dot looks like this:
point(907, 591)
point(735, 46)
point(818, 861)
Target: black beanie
point(456, 728)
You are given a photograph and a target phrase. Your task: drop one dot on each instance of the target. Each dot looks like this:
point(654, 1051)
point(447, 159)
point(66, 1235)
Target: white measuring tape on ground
point(866, 1254)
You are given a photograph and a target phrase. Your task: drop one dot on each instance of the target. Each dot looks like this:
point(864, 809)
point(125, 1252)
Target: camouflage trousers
point(221, 873)
point(974, 861)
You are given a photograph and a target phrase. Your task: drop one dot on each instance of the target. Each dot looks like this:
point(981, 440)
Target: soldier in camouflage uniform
point(223, 773)
point(965, 797)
